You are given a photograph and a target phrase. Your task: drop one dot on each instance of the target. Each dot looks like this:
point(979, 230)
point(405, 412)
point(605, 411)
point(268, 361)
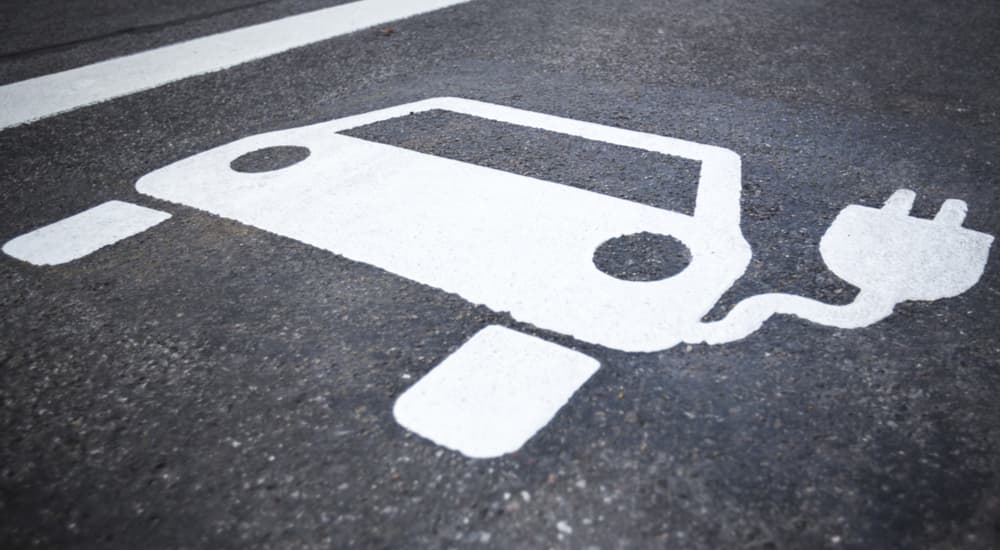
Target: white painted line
point(84, 233)
point(493, 394)
point(44, 96)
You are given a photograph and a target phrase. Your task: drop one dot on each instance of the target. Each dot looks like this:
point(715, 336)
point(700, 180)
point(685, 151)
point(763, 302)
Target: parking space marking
point(44, 96)
point(77, 236)
point(493, 394)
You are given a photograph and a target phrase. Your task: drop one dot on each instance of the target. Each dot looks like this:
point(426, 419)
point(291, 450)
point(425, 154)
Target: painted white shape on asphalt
point(494, 393)
point(890, 256)
point(898, 258)
point(84, 233)
point(44, 96)
point(526, 245)
point(514, 243)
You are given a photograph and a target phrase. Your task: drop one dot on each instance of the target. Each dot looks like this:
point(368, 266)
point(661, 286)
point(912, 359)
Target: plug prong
point(952, 212)
point(900, 202)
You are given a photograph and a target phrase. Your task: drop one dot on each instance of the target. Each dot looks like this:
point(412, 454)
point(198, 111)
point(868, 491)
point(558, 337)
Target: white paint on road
point(514, 243)
point(493, 394)
point(526, 246)
point(887, 254)
point(44, 96)
point(84, 233)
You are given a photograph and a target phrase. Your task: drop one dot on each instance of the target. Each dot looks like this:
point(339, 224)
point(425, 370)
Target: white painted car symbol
point(526, 246)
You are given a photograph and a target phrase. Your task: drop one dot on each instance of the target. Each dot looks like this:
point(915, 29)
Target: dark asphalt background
point(208, 385)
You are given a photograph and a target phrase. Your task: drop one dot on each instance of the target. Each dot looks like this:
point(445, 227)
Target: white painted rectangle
point(494, 393)
point(44, 96)
point(77, 236)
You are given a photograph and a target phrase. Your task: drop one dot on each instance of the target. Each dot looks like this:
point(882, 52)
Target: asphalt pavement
point(209, 384)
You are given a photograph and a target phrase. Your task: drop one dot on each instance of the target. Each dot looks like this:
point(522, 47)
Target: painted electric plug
point(893, 255)
point(888, 255)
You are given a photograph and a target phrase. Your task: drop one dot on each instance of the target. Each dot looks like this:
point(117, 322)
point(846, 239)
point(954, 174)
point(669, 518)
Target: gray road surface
point(209, 385)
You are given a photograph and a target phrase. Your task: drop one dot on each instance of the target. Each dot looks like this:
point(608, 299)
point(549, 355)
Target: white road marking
point(526, 245)
point(44, 96)
point(493, 394)
point(514, 243)
point(84, 233)
point(888, 255)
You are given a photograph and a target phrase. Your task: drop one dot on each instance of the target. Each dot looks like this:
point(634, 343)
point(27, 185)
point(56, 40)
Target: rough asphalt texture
point(209, 385)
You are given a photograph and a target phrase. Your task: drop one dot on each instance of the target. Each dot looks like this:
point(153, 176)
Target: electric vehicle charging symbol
point(526, 246)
